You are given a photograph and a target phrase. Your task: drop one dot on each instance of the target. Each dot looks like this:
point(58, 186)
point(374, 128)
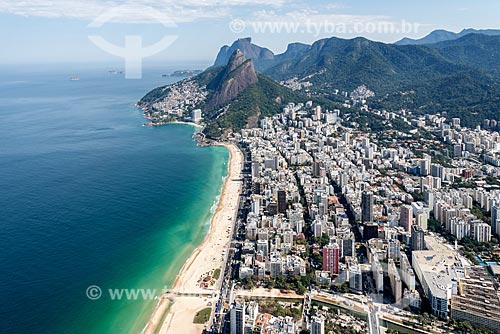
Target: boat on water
point(74, 78)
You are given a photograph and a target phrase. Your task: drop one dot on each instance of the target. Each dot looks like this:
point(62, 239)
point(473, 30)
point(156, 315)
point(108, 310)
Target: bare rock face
point(237, 59)
point(236, 77)
point(250, 50)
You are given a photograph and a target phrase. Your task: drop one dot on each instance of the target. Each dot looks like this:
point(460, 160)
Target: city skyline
point(246, 166)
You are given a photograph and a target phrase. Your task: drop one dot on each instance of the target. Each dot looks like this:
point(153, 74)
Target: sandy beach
point(187, 297)
point(198, 126)
point(187, 123)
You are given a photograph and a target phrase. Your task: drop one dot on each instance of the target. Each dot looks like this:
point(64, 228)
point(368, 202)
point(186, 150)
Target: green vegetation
point(155, 95)
point(478, 247)
point(492, 181)
point(281, 309)
point(418, 196)
point(392, 331)
point(426, 319)
point(297, 283)
point(470, 96)
point(333, 308)
point(467, 328)
point(323, 241)
point(476, 50)
point(442, 160)
point(434, 225)
point(217, 273)
point(456, 78)
point(202, 316)
point(460, 184)
point(248, 282)
point(204, 78)
point(339, 330)
point(343, 288)
point(480, 213)
point(369, 122)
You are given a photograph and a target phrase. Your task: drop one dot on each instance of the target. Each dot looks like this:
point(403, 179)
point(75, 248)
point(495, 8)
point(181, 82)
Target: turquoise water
point(91, 197)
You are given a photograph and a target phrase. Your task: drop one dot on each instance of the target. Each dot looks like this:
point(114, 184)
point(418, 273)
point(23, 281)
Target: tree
point(300, 288)
point(248, 283)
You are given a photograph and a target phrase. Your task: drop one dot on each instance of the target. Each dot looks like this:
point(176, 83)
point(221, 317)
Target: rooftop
point(440, 267)
point(478, 294)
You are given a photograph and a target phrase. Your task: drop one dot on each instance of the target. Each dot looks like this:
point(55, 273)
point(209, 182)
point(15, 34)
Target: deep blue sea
point(89, 196)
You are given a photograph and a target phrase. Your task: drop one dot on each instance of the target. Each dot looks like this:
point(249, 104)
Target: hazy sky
point(40, 31)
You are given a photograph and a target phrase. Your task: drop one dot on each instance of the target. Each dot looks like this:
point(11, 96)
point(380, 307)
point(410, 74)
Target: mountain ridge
point(256, 53)
point(459, 78)
point(433, 73)
point(442, 35)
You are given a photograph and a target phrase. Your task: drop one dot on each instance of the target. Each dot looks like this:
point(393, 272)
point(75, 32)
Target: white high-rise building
point(317, 113)
point(421, 220)
point(196, 116)
point(288, 237)
point(356, 279)
point(481, 232)
point(317, 325)
point(425, 167)
point(256, 203)
point(318, 229)
point(252, 310)
point(378, 275)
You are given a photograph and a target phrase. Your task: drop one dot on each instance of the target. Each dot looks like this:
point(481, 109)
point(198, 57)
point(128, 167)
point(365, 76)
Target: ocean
point(90, 197)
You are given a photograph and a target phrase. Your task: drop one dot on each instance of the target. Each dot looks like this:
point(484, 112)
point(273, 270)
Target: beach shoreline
point(187, 123)
point(196, 125)
point(187, 297)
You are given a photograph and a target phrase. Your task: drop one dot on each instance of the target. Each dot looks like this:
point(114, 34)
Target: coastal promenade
point(187, 297)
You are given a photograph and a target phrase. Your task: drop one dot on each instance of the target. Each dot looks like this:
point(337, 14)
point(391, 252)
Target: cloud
point(316, 16)
point(335, 6)
point(321, 23)
point(178, 11)
point(297, 15)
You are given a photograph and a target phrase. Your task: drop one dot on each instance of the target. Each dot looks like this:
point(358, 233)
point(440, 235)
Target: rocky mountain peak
point(238, 74)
